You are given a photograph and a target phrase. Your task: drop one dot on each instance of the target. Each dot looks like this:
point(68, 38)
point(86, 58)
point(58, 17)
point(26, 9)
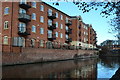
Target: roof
point(56, 9)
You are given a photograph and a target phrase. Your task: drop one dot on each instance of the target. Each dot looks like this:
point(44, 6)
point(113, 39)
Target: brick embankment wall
point(31, 55)
point(38, 70)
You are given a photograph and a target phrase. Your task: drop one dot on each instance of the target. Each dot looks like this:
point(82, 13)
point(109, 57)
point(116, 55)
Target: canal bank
point(34, 55)
point(82, 69)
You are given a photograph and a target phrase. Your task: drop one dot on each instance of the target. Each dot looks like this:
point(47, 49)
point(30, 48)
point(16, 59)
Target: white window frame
point(61, 35)
point(6, 25)
point(34, 4)
point(66, 28)
point(22, 27)
point(22, 10)
point(49, 22)
point(34, 28)
point(66, 36)
point(49, 12)
point(41, 8)
point(33, 16)
point(50, 33)
point(56, 34)
point(6, 10)
point(56, 14)
point(41, 43)
point(41, 30)
point(42, 19)
point(61, 17)
point(23, 2)
point(56, 24)
point(5, 40)
point(61, 26)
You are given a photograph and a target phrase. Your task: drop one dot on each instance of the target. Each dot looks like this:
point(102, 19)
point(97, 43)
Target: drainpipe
point(11, 28)
point(77, 31)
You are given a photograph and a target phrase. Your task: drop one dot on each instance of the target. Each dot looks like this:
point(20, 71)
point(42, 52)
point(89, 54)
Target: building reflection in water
point(64, 69)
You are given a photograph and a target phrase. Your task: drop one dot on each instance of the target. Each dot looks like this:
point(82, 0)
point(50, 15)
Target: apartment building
point(39, 25)
point(84, 35)
point(112, 44)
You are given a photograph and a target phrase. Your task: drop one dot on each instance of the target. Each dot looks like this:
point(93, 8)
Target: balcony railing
point(68, 40)
point(68, 22)
point(69, 31)
point(51, 26)
point(23, 31)
point(51, 37)
point(51, 16)
point(23, 17)
point(24, 6)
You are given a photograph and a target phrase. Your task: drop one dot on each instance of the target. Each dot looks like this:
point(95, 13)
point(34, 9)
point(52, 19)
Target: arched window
point(6, 25)
point(6, 10)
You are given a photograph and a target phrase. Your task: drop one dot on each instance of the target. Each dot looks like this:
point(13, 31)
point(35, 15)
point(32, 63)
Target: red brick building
point(39, 25)
point(84, 35)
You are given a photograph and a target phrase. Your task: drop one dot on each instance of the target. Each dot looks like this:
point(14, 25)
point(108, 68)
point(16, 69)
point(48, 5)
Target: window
point(49, 34)
point(66, 19)
point(22, 10)
point(22, 27)
point(61, 27)
point(42, 19)
point(66, 36)
point(22, 1)
point(6, 25)
point(50, 22)
point(33, 16)
point(41, 30)
point(61, 35)
point(6, 10)
point(56, 14)
point(41, 8)
point(56, 34)
point(66, 27)
point(49, 12)
point(61, 17)
point(41, 43)
point(56, 24)
point(33, 28)
point(5, 41)
point(32, 42)
point(18, 41)
point(34, 4)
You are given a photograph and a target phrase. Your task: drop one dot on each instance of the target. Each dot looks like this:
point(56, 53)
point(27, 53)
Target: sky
point(99, 23)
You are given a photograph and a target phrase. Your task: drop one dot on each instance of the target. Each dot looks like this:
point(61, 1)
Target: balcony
point(23, 31)
point(69, 31)
point(68, 22)
point(68, 40)
point(51, 37)
point(51, 26)
point(24, 6)
point(23, 17)
point(51, 16)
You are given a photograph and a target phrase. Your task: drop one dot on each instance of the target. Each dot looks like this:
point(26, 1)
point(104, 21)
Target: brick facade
point(35, 39)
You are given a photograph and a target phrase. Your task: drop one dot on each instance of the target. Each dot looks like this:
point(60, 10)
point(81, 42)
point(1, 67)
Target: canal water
point(93, 69)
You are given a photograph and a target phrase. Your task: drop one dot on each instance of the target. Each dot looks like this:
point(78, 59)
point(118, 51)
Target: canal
point(95, 69)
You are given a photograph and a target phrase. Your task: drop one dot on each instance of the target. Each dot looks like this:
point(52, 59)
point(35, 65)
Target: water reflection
point(64, 69)
point(107, 66)
point(91, 69)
